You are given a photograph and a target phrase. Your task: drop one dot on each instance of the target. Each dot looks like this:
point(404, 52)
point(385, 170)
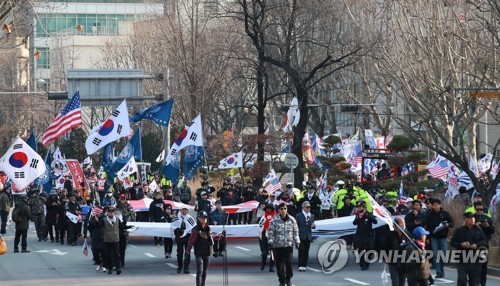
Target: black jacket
point(365, 225)
point(434, 219)
point(393, 242)
point(156, 210)
point(472, 235)
point(248, 194)
point(314, 201)
point(488, 231)
point(410, 219)
point(346, 210)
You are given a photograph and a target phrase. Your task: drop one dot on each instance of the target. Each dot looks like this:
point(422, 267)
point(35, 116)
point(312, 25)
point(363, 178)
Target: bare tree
point(432, 49)
point(307, 41)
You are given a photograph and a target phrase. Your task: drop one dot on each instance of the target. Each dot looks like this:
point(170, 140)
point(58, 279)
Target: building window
point(90, 24)
point(43, 60)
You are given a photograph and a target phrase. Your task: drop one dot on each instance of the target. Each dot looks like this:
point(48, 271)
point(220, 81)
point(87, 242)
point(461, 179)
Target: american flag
point(273, 186)
point(69, 118)
point(439, 167)
point(96, 211)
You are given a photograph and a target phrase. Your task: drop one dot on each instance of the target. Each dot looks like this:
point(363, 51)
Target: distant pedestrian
point(181, 230)
point(363, 238)
point(4, 208)
point(37, 202)
point(305, 222)
point(21, 215)
point(265, 248)
point(218, 217)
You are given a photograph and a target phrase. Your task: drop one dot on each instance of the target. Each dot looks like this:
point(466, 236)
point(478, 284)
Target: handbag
point(3, 246)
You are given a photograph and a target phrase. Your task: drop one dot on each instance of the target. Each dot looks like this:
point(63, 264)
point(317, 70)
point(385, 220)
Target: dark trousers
point(484, 272)
point(169, 244)
point(201, 269)
point(21, 234)
point(245, 217)
point(182, 260)
point(283, 257)
point(232, 219)
point(98, 255)
point(470, 272)
point(398, 275)
point(51, 228)
point(219, 245)
point(72, 235)
point(112, 254)
point(304, 252)
point(4, 215)
point(158, 240)
point(122, 248)
point(40, 227)
point(264, 252)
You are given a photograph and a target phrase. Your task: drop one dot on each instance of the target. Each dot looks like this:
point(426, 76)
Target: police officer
point(364, 232)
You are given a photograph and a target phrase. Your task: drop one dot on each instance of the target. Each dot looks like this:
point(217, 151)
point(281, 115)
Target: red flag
point(69, 118)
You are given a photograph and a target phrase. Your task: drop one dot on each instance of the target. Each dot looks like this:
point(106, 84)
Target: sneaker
point(103, 269)
point(98, 268)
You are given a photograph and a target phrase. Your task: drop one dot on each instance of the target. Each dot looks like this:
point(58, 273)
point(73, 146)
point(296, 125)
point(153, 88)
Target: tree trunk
point(261, 118)
point(299, 132)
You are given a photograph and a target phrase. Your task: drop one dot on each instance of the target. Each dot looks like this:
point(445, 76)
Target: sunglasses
point(282, 209)
point(479, 209)
point(307, 207)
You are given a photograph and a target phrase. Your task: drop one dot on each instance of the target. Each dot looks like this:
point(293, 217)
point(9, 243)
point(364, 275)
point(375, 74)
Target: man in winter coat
point(364, 233)
point(438, 223)
point(283, 233)
point(181, 227)
point(202, 241)
point(4, 207)
point(417, 267)
point(156, 213)
point(37, 202)
point(21, 217)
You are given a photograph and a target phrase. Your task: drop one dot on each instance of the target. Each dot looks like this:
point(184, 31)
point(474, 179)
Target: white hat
point(409, 200)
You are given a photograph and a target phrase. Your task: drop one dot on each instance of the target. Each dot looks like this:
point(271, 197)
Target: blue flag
point(32, 141)
point(192, 160)
point(45, 180)
point(133, 148)
point(172, 170)
point(108, 157)
point(159, 113)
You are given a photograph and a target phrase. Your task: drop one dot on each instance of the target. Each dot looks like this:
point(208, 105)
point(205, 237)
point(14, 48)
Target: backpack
point(16, 215)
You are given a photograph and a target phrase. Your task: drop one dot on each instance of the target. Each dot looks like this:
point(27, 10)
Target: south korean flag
point(116, 127)
point(22, 164)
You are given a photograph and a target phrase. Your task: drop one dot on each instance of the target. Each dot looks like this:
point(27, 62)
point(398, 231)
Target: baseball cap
point(203, 193)
point(361, 204)
point(184, 207)
point(468, 214)
point(419, 231)
point(202, 214)
point(218, 202)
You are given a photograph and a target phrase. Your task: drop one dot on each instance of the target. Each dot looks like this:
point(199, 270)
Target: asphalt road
point(56, 264)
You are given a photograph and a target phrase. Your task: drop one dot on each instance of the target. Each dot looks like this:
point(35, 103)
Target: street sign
point(485, 93)
point(291, 161)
